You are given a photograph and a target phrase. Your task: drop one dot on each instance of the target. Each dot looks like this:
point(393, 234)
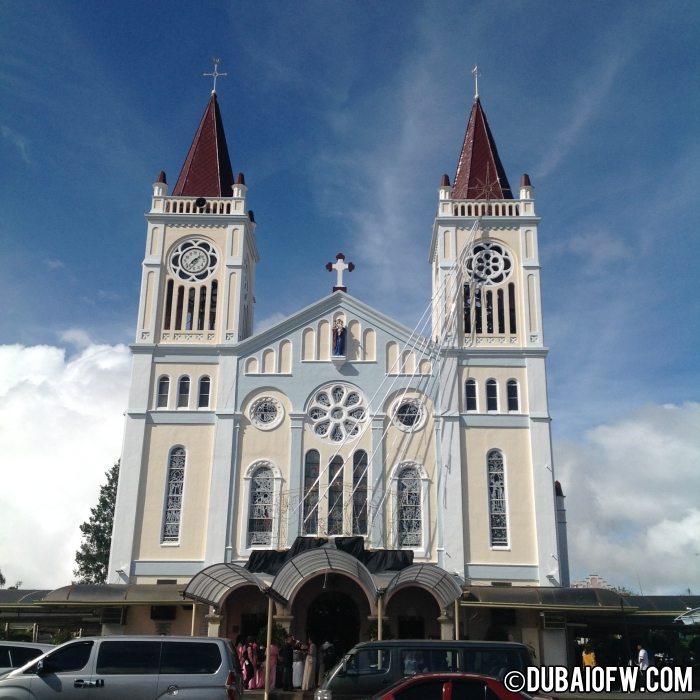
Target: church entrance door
point(333, 617)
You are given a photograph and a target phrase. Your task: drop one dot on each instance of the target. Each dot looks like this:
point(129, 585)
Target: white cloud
point(60, 429)
point(18, 141)
point(632, 507)
point(77, 337)
point(269, 321)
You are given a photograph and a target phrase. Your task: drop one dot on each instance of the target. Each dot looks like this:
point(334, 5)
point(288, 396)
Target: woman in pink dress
point(271, 658)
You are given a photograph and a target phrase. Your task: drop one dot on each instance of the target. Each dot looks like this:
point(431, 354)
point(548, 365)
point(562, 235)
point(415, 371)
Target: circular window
point(408, 414)
point(489, 264)
point(194, 260)
point(336, 412)
point(266, 413)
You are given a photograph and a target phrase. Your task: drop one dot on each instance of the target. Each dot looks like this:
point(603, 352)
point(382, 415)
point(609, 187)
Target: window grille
point(262, 507)
point(359, 495)
point(410, 508)
point(173, 501)
point(498, 517)
point(335, 496)
point(310, 511)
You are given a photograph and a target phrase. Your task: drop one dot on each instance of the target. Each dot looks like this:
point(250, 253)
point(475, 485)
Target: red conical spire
point(480, 173)
point(207, 170)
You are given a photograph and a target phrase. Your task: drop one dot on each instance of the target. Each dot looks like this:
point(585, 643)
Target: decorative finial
point(215, 74)
point(476, 74)
point(339, 266)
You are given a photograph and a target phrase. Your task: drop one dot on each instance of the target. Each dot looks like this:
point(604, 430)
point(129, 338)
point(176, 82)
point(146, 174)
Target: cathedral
point(350, 475)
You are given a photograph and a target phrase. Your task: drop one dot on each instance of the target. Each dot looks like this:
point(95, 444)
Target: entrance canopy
point(322, 560)
point(213, 584)
point(437, 581)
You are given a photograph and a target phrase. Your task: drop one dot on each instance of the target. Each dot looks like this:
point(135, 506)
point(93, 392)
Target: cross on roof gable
point(480, 173)
point(207, 170)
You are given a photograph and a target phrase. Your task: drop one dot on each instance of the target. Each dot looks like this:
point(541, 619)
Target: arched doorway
point(333, 616)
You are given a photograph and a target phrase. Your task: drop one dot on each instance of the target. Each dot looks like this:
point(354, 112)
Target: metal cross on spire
point(476, 74)
point(215, 74)
point(339, 266)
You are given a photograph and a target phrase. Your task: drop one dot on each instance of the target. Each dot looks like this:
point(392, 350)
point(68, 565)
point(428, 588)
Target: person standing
point(287, 662)
point(642, 658)
point(588, 656)
point(309, 680)
point(271, 658)
point(297, 666)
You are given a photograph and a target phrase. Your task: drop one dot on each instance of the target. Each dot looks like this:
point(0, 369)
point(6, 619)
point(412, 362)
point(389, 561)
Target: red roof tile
point(480, 173)
point(207, 170)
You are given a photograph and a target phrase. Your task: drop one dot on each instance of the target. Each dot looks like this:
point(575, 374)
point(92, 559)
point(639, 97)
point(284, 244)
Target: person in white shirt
point(643, 658)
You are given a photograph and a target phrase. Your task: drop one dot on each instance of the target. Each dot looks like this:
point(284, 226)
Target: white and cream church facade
point(348, 471)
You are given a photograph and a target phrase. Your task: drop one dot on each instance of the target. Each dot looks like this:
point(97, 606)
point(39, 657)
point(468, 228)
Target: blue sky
point(343, 116)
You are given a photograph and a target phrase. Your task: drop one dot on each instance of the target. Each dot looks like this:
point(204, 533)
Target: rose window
point(266, 413)
point(336, 412)
point(489, 263)
point(408, 414)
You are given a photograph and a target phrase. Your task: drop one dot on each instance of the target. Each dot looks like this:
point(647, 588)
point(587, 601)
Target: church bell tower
point(494, 412)
point(199, 268)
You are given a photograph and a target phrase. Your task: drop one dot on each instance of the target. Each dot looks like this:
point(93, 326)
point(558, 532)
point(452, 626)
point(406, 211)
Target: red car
point(448, 686)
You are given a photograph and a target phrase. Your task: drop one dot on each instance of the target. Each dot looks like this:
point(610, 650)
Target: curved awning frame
point(319, 561)
point(211, 585)
point(442, 585)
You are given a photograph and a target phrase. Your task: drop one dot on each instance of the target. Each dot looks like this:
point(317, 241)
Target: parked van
point(130, 668)
point(15, 654)
point(371, 666)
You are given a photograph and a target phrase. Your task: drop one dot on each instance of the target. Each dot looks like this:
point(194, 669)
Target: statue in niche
point(339, 333)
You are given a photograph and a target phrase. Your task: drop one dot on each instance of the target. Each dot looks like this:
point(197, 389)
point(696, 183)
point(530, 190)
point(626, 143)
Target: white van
point(129, 668)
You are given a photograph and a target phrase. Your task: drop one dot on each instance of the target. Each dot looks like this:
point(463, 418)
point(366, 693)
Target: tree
point(2, 579)
point(92, 558)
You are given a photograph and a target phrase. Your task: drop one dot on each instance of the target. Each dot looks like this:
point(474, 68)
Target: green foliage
point(92, 558)
point(279, 634)
point(2, 580)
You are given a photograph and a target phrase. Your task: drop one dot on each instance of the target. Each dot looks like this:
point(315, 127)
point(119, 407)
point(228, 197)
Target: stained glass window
point(359, 493)
point(498, 516)
point(309, 524)
point(262, 507)
point(410, 514)
point(173, 501)
point(335, 496)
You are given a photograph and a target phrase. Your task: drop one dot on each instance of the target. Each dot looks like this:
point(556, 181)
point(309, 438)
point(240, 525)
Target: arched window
point(409, 508)
point(498, 518)
point(491, 395)
point(204, 392)
point(512, 395)
point(470, 394)
point(163, 392)
point(359, 493)
point(262, 507)
point(309, 525)
point(173, 498)
point(183, 392)
point(335, 496)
